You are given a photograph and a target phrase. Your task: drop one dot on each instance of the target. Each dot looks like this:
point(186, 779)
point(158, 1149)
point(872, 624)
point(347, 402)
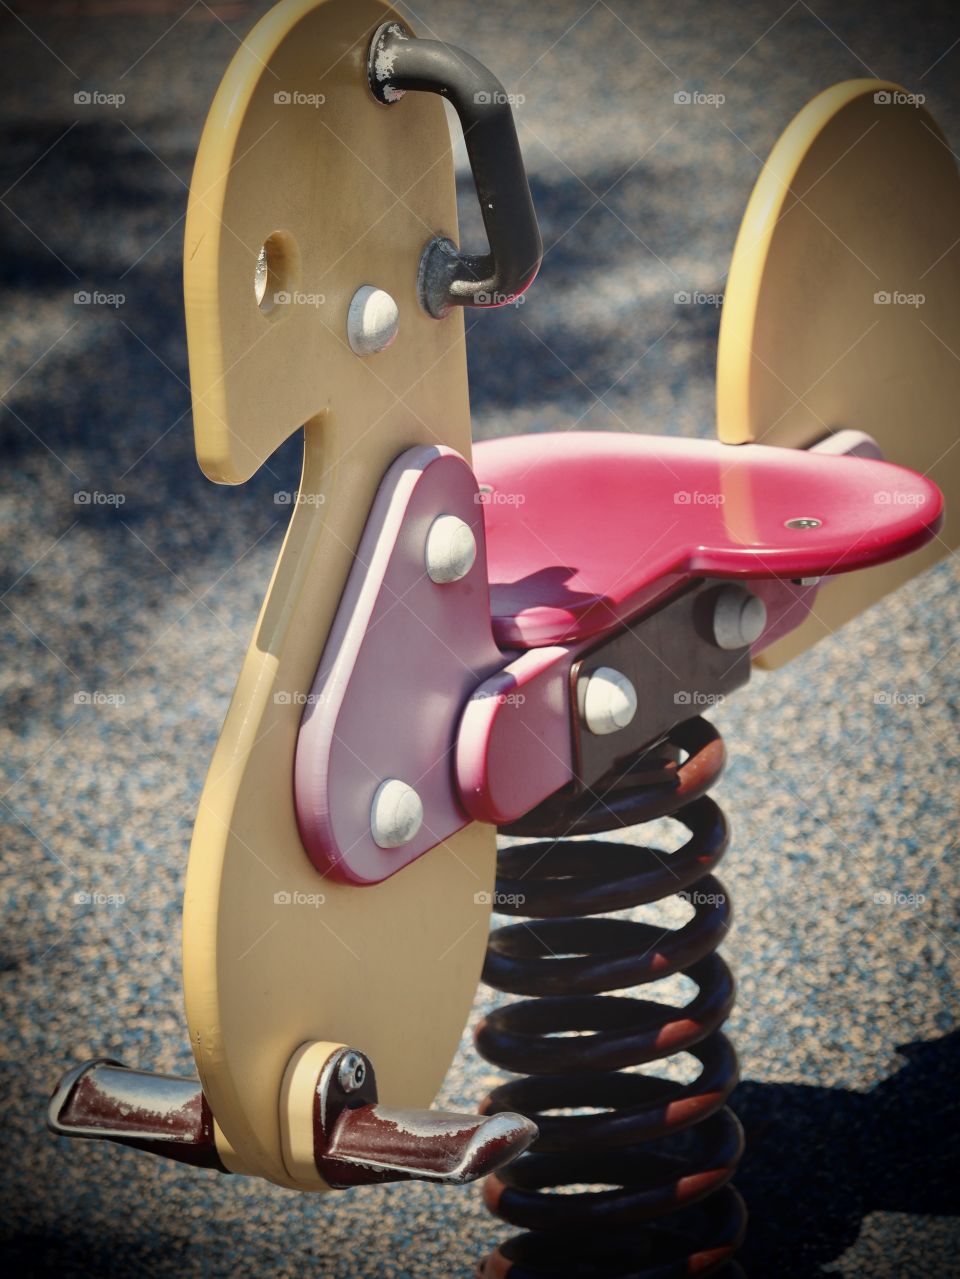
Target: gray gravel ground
point(847, 992)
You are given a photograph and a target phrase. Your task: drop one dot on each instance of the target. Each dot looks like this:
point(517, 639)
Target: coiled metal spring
point(629, 1176)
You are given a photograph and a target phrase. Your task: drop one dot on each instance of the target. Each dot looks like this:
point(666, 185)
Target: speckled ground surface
point(843, 864)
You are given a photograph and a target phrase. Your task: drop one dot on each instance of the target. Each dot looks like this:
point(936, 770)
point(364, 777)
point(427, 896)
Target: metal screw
point(396, 814)
point(803, 521)
point(351, 1072)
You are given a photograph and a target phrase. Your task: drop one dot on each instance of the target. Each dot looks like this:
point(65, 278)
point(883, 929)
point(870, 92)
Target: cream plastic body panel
point(391, 969)
point(857, 198)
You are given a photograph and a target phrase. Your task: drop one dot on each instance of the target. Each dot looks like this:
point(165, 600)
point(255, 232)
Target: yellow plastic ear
point(842, 308)
point(344, 193)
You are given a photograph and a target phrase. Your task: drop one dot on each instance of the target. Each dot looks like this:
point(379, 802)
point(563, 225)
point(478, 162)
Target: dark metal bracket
point(672, 658)
point(397, 62)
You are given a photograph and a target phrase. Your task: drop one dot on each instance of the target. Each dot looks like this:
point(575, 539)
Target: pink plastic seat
point(585, 529)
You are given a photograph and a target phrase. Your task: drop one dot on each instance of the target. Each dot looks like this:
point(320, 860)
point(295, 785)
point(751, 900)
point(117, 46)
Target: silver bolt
point(738, 618)
point(608, 701)
point(450, 550)
point(803, 521)
point(373, 319)
point(352, 1072)
point(396, 814)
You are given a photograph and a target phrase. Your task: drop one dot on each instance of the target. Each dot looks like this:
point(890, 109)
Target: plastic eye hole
point(275, 272)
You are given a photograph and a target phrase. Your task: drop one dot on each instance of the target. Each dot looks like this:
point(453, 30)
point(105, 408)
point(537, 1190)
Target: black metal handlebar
point(399, 61)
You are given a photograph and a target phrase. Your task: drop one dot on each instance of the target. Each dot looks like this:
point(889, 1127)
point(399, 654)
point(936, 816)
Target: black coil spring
point(630, 1182)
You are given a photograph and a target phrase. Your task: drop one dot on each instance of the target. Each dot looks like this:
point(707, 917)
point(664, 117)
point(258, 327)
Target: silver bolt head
point(739, 618)
point(608, 701)
point(803, 521)
point(352, 1072)
point(373, 319)
point(396, 814)
point(451, 549)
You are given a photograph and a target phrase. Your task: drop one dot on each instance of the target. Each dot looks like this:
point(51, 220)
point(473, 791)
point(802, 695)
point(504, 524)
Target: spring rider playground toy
point(514, 637)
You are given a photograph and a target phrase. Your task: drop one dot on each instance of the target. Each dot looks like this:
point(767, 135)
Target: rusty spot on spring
point(634, 1181)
